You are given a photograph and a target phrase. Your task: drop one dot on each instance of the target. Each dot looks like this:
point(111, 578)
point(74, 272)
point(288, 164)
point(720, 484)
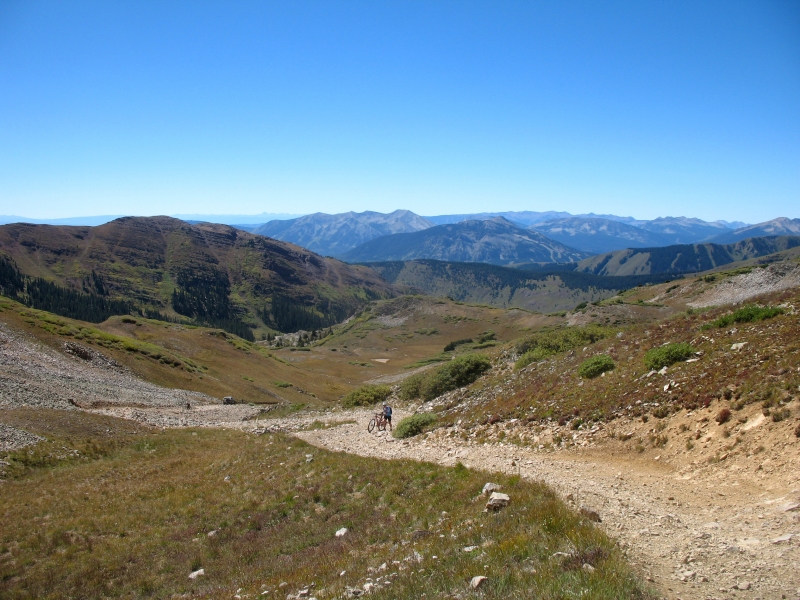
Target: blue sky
point(635, 108)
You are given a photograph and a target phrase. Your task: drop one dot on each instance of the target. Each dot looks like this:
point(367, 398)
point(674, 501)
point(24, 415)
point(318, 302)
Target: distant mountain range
point(780, 226)
point(495, 241)
point(334, 235)
point(338, 234)
point(683, 258)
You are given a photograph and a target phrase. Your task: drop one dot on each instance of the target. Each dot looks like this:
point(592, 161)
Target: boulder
point(477, 581)
point(497, 501)
point(196, 574)
point(489, 488)
point(228, 400)
point(341, 532)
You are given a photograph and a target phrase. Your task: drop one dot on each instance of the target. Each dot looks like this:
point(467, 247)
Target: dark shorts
point(388, 418)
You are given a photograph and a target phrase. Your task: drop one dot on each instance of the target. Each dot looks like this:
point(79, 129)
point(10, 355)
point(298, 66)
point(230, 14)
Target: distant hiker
point(188, 406)
point(387, 414)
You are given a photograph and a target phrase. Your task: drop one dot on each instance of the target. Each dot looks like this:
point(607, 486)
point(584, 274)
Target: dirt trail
point(689, 535)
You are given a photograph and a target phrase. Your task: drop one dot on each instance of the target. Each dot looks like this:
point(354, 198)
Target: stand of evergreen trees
point(287, 315)
point(41, 294)
point(204, 296)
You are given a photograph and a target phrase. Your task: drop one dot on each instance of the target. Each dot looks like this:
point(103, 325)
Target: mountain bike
point(379, 421)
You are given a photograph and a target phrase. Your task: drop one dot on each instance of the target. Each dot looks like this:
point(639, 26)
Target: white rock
point(212, 533)
point(341, 532)
point(368, 587)
point(497, 501)
point(588, 568)
point(784, 538)
point(477, 582)
point(196, 574)
point(469, 548)
point(789, 506)
point(489, 488)
point(745, 585)
point(738, 346)
point(663, 371)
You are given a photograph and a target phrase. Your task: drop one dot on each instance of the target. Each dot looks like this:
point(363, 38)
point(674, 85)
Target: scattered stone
point(497, 501)
point(368, 587)
point(489, 488)
point(738, 346)
point(469, 548)
point(744, 586)
point(588, 568)
point(663, 371)
point(786, 537)
point(789, 506)
point(341, 532)
point(196, 574)
point(477, 581)
point(212, 533)
point(590, 514)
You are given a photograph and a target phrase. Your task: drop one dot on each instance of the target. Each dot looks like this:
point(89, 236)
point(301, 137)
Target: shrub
point(367, 395)
point(656, 358)
point(746, 314)
point(453, 345)
point(547, 343)
point(781, 415)
point(413, 425)
point(596, 365)
point(454, 374)
point(723, 416)
point(281, 384)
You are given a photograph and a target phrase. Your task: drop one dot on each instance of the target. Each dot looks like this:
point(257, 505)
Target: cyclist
point(387, 414)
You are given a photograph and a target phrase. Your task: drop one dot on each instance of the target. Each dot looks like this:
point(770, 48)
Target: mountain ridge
point(334, 235)
point(494, 241)
point(214, 274)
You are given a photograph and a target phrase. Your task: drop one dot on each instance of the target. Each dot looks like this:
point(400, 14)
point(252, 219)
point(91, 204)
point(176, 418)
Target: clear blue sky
point(642, 108)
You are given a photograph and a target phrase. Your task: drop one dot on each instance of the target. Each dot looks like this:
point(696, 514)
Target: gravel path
point(689, 538)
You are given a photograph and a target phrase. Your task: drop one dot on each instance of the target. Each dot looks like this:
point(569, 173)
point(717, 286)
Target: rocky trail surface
point(691, 536)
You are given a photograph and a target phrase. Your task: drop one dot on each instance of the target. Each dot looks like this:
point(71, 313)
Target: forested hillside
point(683, 258)
point(165, 268)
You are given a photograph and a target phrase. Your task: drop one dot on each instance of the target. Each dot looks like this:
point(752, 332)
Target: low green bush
point(456, 343)
point(595, 366)
point(454, 374)
point(547, 343)
point(413, 425)
point(746, 314)
point(664, 356)
point(367, 395)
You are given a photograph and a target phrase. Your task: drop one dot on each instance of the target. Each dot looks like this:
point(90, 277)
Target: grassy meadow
point(136, 515)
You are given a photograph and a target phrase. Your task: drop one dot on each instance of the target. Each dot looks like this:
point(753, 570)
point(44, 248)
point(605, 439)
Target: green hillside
point(168, 269)
point(504, 287)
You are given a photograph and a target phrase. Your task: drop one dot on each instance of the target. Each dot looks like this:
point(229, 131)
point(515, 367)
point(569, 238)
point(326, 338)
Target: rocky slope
point(496, 241)
point(334, 235)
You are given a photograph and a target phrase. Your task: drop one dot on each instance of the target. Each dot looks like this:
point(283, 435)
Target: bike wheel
point(382, 425)
point(371, 425)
